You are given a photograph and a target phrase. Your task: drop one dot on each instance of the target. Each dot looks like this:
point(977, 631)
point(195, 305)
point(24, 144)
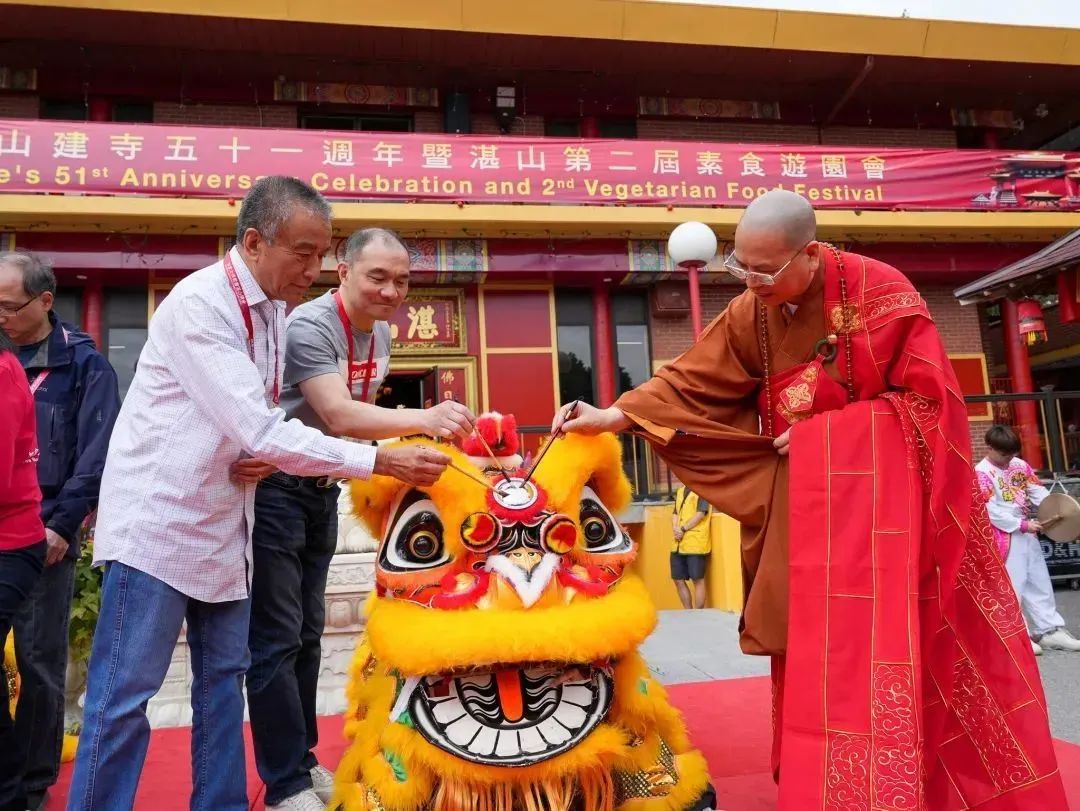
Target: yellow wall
point(724, 575)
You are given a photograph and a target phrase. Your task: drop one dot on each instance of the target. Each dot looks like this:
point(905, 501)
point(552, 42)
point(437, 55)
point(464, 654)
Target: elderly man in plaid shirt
point(199, 427)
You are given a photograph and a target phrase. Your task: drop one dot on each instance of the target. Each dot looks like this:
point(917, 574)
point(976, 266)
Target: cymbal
point(1059, 515)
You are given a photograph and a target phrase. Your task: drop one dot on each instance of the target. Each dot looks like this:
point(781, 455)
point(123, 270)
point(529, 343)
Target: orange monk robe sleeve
point(700, 415)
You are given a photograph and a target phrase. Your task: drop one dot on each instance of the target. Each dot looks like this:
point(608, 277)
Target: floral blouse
point(1010, 494)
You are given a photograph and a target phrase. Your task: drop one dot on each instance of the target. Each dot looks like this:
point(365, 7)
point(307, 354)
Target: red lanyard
point(35, 384)
point(37, 381)
point(241, 299)
point(354, 371)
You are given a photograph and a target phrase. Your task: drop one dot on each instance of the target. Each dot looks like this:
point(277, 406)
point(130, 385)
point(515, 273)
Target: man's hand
point(249, 471)
point(418, 465)
point(447, 419)
point(589, 420)
point(783, 443)
point(57, 547)
point(679, 534)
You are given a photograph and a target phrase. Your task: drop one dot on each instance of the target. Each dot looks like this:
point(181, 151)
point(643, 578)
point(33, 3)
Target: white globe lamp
point(692, 246)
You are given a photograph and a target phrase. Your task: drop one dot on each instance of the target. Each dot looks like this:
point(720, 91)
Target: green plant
point(87, 600)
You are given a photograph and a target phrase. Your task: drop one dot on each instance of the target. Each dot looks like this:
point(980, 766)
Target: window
point(63, 109)
point(67, 305)
point(562, 127)
point(358, 123)
point(125, 331)
point(607, 127)
point(133, 112)
point(630, 314)
point(574, 334)
point(618, 128)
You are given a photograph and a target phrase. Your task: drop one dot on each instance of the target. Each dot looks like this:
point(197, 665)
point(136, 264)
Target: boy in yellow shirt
point(691, 545)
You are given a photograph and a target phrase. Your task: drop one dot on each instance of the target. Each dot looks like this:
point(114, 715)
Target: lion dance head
point(499, 669)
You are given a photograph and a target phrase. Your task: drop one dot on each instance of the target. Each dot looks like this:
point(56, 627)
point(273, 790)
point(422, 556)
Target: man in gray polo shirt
point(295, 530)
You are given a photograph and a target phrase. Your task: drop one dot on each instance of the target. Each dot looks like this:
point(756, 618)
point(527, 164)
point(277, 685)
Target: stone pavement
point(690, 646)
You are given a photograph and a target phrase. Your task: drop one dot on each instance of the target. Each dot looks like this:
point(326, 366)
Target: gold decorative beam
point(651, 21)
point(167, 215)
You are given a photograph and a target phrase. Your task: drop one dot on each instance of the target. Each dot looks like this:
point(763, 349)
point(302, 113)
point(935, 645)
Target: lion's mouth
point(514, 716)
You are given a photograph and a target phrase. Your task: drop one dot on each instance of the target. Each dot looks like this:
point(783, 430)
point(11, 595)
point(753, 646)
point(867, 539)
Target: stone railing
point(348, 584)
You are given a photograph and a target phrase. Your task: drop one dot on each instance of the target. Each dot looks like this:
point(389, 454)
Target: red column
point(695, 300)
point(1069, 295)
point(101, 109)
point(93, 305)
point(590, 127)
point(1016, 360)
point(603, 342)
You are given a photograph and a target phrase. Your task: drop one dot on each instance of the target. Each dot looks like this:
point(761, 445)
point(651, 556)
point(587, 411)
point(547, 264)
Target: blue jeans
point(293, 541)
point(137, 629)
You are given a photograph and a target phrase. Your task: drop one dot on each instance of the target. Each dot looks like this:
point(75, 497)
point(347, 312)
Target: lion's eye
point(595, 530)
point(416, 539)
point(599, 528)
point(422, 545)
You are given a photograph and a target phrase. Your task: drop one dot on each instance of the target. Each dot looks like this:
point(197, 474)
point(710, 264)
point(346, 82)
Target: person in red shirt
point(22, 541)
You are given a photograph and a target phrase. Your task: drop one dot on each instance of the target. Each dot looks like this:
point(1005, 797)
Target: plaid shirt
point(197, 404)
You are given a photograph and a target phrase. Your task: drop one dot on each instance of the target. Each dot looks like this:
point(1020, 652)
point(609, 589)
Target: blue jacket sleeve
point(99, 404)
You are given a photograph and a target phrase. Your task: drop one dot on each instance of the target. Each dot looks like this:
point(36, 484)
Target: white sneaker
point(1060, 640)
point(1036, 648)
point(306, 800)
point(322, 782)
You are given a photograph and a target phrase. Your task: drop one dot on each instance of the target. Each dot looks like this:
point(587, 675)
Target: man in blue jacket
point(77, 400)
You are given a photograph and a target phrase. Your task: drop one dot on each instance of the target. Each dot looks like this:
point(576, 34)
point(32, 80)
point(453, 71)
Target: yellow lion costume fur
point(499, 668)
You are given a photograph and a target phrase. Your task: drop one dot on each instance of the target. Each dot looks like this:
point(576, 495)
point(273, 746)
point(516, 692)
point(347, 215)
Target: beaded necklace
point(828, 351)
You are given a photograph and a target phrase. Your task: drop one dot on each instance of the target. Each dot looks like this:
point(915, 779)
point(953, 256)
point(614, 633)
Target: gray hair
point(359, 240)
point(272, 201)
point(37, 274)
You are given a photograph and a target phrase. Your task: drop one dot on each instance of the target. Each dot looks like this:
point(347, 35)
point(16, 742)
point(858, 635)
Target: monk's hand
point(249, 471)
point(783, 443)
point(582, 418)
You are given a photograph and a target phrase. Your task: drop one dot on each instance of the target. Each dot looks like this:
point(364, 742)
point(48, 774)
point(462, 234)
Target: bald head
point(781, 215)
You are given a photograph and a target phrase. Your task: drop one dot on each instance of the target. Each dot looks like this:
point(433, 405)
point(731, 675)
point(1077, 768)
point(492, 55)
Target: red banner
point(89, 158)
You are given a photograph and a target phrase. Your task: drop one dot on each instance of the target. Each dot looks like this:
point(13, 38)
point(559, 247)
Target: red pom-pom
point(500, 433)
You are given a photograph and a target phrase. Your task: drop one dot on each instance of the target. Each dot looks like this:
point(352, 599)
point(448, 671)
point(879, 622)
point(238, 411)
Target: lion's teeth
point(448, 711)
point(484, 743)
point(531, 740)
point(570, 716)
point(462, 731)
point(508, 744)
point(576, 694)
point(553, 732)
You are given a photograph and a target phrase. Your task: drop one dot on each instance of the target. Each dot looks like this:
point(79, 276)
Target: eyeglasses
point(8, 310)
point(741, 271)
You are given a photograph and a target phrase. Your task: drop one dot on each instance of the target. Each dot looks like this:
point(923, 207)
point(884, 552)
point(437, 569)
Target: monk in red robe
point(821, 411)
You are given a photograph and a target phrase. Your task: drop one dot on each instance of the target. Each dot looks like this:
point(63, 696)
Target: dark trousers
point(41, 646)
point(19, 571)
point(293, 540)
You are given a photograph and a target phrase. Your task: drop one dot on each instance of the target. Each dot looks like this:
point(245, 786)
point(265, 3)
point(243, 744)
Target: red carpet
point(728, 720)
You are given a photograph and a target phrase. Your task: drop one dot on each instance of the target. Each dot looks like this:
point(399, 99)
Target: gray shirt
point(315, 345)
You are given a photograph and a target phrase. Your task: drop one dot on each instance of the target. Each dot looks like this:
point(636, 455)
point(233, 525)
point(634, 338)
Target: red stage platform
point(728, 720)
